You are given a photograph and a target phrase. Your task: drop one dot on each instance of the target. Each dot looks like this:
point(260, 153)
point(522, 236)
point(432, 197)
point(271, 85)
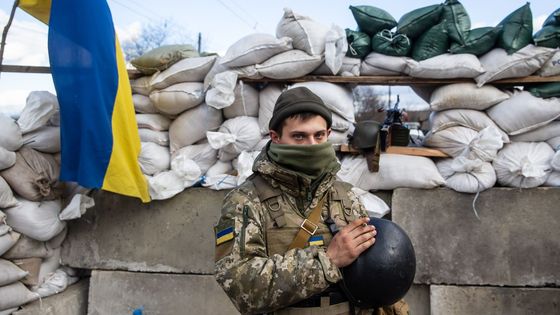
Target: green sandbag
point(371, 19)
point(548, 36)
point(545, 90)
point(458, 21)
point(553, 18)
point(163, 57)
point(432, 43)
point(416, 22)
point(516, 30)
point(390, 44)
point(359, 44)
point(480, 41)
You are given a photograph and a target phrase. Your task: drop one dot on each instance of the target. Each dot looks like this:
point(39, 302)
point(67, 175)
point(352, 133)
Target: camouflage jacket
point(256, 279)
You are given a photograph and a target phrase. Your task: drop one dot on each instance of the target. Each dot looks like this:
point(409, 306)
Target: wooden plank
point(418, 151)
point(24, 69)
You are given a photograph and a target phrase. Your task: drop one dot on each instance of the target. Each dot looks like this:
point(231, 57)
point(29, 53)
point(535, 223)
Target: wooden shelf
point(417, 151)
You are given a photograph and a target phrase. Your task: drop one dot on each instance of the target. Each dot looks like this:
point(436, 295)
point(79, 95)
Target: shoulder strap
point(309, 226)
point(268, 196)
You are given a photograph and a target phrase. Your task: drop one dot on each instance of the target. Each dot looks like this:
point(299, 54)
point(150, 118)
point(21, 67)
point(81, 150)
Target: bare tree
point(369, 104)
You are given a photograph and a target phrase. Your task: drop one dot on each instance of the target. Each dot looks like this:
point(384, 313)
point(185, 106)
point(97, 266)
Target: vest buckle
point(309, 227)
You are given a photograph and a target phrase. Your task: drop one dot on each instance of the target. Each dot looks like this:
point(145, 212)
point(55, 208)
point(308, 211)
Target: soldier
point(275, 251)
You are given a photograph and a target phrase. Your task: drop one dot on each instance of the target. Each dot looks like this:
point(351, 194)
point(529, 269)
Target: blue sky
point(221, 23)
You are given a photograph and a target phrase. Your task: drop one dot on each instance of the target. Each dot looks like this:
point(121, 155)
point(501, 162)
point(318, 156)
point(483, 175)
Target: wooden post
point(5, 32)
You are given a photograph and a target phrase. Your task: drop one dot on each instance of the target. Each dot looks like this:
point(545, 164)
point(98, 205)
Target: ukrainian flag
point(99, 135)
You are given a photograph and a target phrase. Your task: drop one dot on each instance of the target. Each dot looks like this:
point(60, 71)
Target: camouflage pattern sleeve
point(358, 208)
point(255, 282)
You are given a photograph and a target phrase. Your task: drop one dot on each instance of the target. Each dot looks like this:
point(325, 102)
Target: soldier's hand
point(351, 241)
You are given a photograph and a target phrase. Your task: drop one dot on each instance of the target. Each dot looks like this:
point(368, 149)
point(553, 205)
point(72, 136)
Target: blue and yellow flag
point(99, 135)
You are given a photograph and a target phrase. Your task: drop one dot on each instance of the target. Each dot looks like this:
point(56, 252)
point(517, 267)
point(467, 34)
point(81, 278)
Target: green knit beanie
point(295, 101)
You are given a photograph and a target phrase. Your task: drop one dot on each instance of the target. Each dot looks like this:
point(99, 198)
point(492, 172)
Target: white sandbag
point(155, 122)
point(289, 64)
point(340, 123)
point(337, 98)
point(473, 119)
point(246, 102)
point(261, 144)
point(523, 164)
point(10, 134)
point(202, 154)
point(143, 104)
point(192, 125)
point(462, 141)
point(77, 207)
point(375, 206)
point(10, 273)
point(187, 170)
point(38, 220)
point(15, 295)
point(255, 48)
point(242, 72)
point(499, 65)
point(178, 97)
point(555, 162)
point(222, 93)
point(157, 137)
point(165, 185)
point(383, 65)
point(395, 170)
point(220, 167)
point(267, 100)
point(7, 159)
point(551, 67)
point(466, 96)
point(34, 176)
point(540, 134)
point(7, 198)
point(56, 242)
point(141, 85)
point(467, 175)
point(243, 164)
point(339, 137)
point(153, 158)
point(26, 247)
point(234, 136)
point(220, 182)
point(39, 107)
point(350, 68)
point(553, 180)
point(55, 283)
point(45, 139)
point(523, 112)
point(554, 143)
point(49, 265)
point(8, 238)
point(307, 34)
point(336, 46)
point(192, 69)
point(446, 66)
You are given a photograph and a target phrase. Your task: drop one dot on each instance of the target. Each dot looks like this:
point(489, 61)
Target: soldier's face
point(297, 131)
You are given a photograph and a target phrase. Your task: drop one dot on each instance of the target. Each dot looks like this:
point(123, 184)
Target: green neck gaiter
point(310, 160)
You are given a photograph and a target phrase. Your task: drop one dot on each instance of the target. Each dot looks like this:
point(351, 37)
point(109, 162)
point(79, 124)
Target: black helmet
point(383, 273)
point(365, 134)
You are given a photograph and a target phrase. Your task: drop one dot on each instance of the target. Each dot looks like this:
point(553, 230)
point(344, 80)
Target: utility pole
point(199, 42)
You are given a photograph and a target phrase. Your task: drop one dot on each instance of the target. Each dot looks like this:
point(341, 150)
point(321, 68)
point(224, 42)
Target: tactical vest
point(285, 220)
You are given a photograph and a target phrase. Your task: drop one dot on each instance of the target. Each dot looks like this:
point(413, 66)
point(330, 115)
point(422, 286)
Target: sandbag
point(335, 48)
point(466, 96)
point(359, 44)
point(156, 122)
point(377, 64)
point(192, 69)
point(202, 154)
point(143, 104)
point(446, 66)
point(38, 220)
point(75, 209)
point(55, 283)
point(191, 126)
point(433, 42)
point(500, 65)
point(516, 30)
point(45, 139)
point(290, 64)
point(548, 36)
point(234, 136)
point(167, 184)
point(395, 171)
point(350, 68)
point(457, 20)
point(157, 137)
point(222, 91)
point(34, 176)
point(7, 158)
point(15, 295)
point(551, 67)
point(153, 158)
point(553, 18)
point(26, 247)
point(8, 238)
point(307, 34)
point(219, 168)
point(40, 106)
point(186, 170)
point(7, 198)
point(337, 98)
point(555, 162)
point(178, 97)
point(162, 57)
point(10, 273)
point(10, 134)
point(545, 90)
point(553, 180)
point(255, 48)
point(540, 134)
point(372, 19)
point(249, 71)
point(375, 206)
point(246, 102)
point(267, 100)
point(141, 85)
point(478, 42)
point(524, 112)
point(523, 164)
point(473, 119)
point(339, 137)
point(416, 22)
point(390, 44)
point(465, 175)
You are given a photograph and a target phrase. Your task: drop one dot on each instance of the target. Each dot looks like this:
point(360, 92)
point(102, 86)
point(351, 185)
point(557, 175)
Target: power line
point(246, 13)
point(151, 10)
point(237, 15)
point(134, 11)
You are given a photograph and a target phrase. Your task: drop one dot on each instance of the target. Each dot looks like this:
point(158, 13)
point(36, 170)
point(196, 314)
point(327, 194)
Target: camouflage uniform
point(254, 267)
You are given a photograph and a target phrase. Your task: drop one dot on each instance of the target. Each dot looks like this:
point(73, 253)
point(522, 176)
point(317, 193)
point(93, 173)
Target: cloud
point(26, 43)
point(12, 101)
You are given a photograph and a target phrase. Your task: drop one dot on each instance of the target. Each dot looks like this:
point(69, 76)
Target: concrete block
point(173, 235)
point(494, 300)
point(418, 299)
point(516, 241)
point(72, 301)
point(120, 292)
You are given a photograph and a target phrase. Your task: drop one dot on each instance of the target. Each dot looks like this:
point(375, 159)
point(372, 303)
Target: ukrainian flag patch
point(316, 240)
point(224, 235)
